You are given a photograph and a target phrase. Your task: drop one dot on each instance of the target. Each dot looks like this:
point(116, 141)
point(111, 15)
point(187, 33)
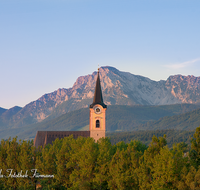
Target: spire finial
point(98, 67)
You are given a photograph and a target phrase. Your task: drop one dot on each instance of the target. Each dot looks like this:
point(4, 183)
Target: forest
point(83, 164)
point(145, 136)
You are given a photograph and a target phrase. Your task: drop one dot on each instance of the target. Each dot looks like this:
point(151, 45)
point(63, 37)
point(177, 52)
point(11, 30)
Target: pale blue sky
point(47, 44)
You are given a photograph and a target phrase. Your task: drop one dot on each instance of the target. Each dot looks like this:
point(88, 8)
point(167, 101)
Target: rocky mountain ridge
point(119, 88)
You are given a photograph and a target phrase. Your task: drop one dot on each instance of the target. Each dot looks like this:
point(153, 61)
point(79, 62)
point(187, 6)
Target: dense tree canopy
point(83, 164)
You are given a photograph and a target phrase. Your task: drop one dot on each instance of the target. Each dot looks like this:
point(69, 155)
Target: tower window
point(97, 123)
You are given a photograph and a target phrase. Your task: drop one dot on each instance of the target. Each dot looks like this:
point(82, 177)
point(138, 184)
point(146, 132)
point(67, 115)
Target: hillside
point(186, 121)
point(172, 136)
point(118, 118)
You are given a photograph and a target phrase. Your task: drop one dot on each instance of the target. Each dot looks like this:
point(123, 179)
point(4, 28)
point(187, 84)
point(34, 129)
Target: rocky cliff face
point(121, 88)
point(185, 88)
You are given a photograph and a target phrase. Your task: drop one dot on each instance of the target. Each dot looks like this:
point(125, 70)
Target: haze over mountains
point(119, 88)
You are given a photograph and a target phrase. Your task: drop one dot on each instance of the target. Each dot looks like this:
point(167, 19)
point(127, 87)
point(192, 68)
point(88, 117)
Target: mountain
point(6, 116)
point(119, 118)
point(119, 88)
point(11, 112)
point(2, 110)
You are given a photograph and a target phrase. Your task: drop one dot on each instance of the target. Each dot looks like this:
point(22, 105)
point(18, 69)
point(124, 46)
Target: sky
point(48, 44)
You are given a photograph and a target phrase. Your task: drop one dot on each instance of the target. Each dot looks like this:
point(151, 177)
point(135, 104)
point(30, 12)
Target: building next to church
point(97, 122)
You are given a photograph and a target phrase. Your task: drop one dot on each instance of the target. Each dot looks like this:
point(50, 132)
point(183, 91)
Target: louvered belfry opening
point(97, 123)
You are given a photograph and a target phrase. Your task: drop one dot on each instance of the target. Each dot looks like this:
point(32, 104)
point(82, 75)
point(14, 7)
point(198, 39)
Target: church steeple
point(98, 109)
point(98, 98)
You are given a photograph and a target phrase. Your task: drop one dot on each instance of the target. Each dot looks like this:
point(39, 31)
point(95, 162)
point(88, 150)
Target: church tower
point(98, 113)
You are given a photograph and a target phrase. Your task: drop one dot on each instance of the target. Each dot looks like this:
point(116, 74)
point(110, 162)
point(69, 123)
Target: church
point(97, 122)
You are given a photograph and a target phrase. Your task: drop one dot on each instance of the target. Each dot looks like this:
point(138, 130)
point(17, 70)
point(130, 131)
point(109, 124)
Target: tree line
point(83, 164)
point(145, 136)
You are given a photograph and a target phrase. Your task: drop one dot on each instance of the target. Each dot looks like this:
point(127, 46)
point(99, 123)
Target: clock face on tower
point(97, 110)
